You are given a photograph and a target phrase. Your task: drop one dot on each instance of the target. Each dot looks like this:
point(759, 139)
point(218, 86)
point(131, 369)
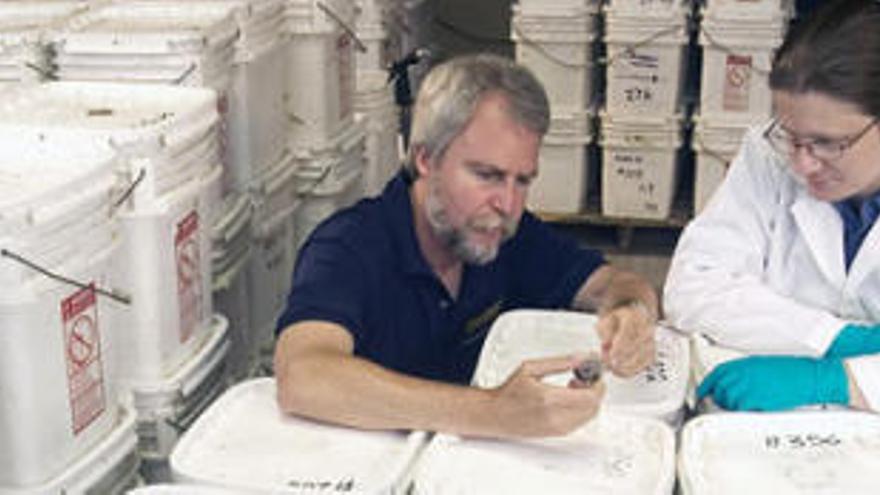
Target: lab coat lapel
point(867, 259)
point(822, 231)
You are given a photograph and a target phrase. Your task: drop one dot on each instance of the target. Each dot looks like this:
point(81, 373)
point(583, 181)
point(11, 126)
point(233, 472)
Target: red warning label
point(82, 349)
point(189, 277)
point(738, 73)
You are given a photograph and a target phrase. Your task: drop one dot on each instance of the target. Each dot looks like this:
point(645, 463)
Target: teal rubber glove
point(855, 340)
point(776, 383)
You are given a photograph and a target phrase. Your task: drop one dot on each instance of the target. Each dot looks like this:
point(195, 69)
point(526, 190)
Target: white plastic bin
point(167, 408)
point(563, 169)
point(559, 50)
point(516, 336)
point(645, 68)
point(243, 441)
point(796, 453)
point(639, 166)
point(611, 454)
point(167, 268)
point(109, 467)
point(329, 180)
point(231, 242)
point(736, 64)
point(715, 144)
point(269, 271)
point(58, 375)
point(320, 65)
point(169, 134)
point(377, 113)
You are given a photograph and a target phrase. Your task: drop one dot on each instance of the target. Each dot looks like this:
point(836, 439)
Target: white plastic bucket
point(243, 442)
point(320, 64)
point(377, 113)
point(780, 453)
point(167, 408)
point(231, 253)
point(611, 454)
point(736, 10)
point(167, 267)
point(107, 467)
point(276, 201)
point(644, 64)
point(657, 392)
point(328, 181)
point(168, 134)
point(639, 166)
point(715, 144)
point(563, 169)
point(736, 64)
point(59, 377)
point(559, 50)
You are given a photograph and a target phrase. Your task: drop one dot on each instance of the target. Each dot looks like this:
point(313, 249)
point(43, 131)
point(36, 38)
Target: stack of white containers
point(24, 54)
point(374, 99)
point(556, 41)
point(63, 425)
point(738, 39)
point(324, 138)
point(641, 125)
point(173, 345)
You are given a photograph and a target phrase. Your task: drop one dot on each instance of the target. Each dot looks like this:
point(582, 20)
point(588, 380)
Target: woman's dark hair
point(835, 51)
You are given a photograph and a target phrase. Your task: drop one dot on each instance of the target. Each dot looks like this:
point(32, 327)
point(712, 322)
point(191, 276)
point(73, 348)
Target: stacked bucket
point(325, 138)
point(738, 39)
point(641, 125)
point(24, 55)
point(373, 100)
point(173, 346)
point(64, 427)
point(556, 41)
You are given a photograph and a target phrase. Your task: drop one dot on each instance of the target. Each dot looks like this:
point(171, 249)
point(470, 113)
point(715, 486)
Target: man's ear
point(421, 160)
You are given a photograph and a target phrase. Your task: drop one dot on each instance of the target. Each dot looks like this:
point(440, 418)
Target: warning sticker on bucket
point(82, 349)
point(738, 70)
point(189, 277)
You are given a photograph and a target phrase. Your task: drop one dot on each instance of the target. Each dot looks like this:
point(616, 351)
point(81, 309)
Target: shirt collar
point(399, 209)
point(863, 215)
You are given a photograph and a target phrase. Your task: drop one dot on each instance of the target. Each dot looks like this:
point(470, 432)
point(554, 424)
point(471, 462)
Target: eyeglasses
point(820, 148)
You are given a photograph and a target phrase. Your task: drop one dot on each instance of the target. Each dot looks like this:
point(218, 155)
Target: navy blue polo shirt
point(857, 222)
point(363, 270)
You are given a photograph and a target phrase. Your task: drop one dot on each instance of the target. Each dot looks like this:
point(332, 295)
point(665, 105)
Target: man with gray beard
point(392, 298)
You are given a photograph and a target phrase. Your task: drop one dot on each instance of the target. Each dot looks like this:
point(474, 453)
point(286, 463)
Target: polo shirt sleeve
point(328, 285)
point(549, 267)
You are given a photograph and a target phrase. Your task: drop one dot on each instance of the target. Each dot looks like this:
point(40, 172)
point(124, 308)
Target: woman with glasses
point(784, 263)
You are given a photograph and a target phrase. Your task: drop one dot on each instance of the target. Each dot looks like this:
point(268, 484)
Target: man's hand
point(627, 335)
point(524, 406)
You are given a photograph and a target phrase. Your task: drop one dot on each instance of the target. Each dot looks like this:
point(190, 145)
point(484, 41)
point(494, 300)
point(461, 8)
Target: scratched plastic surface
point(658, 392)
point(812, 452)
point(244, 441)
point(614, 454)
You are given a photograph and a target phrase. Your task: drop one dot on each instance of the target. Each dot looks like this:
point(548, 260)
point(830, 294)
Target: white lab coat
point(762, 270)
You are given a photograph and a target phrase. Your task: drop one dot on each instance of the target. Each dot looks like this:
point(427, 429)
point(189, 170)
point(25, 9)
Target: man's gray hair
point(449, 94)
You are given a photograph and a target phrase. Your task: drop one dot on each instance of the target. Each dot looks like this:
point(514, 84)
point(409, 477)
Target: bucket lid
point(519, 335)
point(785, 453)
point(611, 454)
point(147, 27)
point(243, 441)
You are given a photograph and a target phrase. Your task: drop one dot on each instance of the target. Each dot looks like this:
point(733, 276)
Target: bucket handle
point(345, 27)
point(114, 294)
point(537, 46)
point(186, 73)
point(729, 51)
point(642, 42)
point(128, 191)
